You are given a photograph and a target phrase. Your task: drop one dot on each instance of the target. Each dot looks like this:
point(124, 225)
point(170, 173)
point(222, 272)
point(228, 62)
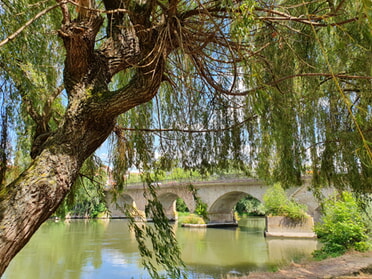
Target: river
point(103, 249)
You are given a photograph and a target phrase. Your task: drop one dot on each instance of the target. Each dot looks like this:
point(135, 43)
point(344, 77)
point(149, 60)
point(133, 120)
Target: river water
point(82, 249)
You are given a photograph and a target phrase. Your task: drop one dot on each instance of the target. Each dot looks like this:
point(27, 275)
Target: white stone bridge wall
point(220, 196)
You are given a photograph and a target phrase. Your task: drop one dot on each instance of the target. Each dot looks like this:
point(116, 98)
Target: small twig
point(91, 180)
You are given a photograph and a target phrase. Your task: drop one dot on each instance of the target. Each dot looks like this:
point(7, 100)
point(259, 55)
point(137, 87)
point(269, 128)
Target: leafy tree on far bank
point(87, 199)
point(271, 88)
point(250, 206)
point(181, 206)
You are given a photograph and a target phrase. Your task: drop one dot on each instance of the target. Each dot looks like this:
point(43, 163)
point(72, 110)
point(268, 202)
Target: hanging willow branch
point(163, 250)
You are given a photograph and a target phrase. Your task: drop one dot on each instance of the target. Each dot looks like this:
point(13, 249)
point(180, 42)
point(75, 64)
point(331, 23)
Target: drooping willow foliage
point(277, 89)
point(294, 98)
point(157, 243)
point(31, 67)
point(249, 88)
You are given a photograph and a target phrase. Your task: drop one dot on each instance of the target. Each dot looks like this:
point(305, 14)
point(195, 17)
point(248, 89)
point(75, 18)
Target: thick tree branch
point(66, 17)
point(79, 41)
point(141, 89)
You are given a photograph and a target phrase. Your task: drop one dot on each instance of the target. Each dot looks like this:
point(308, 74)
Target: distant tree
point(250, 206)
point(272, 87)
point(181, 205)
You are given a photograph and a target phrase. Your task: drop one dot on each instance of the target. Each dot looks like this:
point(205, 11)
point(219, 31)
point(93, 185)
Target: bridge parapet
point(220, 196)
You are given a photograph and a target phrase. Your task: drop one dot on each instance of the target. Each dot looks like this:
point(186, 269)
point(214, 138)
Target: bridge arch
point(221, 210)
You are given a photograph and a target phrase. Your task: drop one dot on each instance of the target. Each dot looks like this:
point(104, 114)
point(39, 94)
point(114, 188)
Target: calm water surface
point(103, 249)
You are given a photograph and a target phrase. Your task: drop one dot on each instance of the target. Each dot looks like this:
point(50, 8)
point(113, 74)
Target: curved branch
point(141, 89)
point(306, 21)
point(65, 12)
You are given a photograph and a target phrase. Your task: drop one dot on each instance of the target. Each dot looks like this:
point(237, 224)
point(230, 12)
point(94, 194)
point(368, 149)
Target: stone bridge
point(220, 197)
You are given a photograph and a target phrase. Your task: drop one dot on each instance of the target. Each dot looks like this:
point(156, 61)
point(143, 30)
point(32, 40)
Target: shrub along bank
point(343, 227)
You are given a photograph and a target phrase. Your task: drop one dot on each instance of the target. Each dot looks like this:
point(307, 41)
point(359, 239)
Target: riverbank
point(351, 265)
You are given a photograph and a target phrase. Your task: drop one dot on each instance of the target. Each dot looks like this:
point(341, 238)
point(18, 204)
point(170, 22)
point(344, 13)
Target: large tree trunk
point(28, 201)
point(90, 117)
point(32, 198)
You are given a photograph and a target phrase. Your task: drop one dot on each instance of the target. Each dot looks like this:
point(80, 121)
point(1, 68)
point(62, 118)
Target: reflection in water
point(238, 251)
point(106, 249)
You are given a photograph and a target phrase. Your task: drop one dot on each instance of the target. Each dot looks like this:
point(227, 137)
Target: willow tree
point(276, 88)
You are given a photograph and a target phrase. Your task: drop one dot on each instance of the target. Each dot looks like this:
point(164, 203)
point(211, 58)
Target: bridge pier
point(171, 212)
point(122, 204)
point(168, 202)
point(222, 218)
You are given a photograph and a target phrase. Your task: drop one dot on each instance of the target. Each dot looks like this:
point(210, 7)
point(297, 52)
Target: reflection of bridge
point(220, 197)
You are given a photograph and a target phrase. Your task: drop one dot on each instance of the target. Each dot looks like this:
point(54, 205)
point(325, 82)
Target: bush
point(191, 219)
point(277, 203)
point(342, 227)
point(201, 209)
point(99, 211)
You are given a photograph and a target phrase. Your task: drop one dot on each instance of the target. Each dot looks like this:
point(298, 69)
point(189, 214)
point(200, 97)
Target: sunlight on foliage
point(278, 204)
point(343, 227)
point(275, 90)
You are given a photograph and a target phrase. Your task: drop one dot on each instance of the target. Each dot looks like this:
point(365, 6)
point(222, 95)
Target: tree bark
point(32, 198)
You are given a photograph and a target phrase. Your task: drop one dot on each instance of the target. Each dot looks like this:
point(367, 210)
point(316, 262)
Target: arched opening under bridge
point(222, 210)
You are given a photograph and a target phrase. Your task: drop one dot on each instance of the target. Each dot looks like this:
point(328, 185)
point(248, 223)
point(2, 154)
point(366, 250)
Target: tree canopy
point(276, 88)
